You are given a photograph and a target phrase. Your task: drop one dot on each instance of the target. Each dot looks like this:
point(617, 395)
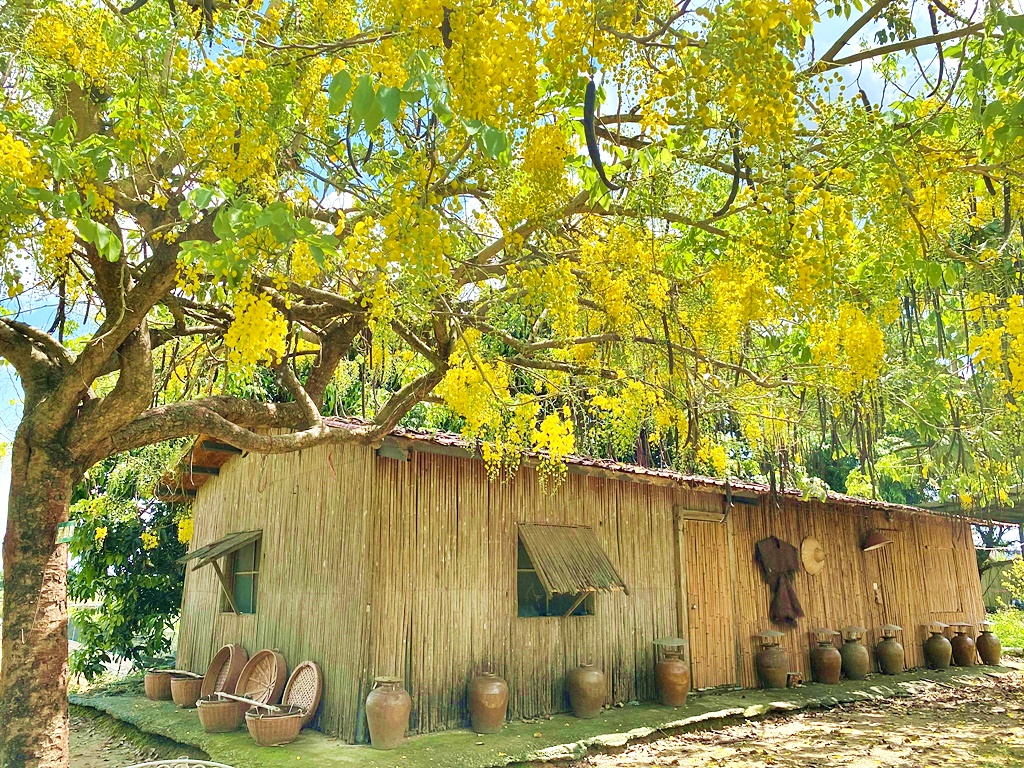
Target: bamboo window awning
point(569, 559)
point(220, 548)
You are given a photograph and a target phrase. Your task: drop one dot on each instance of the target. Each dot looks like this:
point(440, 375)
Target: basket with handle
point(223, 672)
point(271, 729)
point(219, 715)
point(185, 690)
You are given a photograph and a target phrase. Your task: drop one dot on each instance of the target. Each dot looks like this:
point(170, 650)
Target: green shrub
point(1008, 624)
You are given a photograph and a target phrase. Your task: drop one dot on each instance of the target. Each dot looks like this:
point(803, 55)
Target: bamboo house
point(409, 561)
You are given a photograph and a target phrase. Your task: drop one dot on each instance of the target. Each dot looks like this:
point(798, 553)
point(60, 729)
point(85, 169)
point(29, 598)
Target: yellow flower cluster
point(100, 535)
point(1001, 347)
point(554, 439)
point(712, 458)
point(185, 529)
point(540, 184)
point(258, 332)
point(72, 35)
point(475, 390)
point(621, 415)
point(849, 348)
point(16, 161)
point(150, 541)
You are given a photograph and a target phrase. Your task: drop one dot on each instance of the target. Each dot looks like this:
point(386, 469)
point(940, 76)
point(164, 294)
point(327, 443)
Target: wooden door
point(709, 604)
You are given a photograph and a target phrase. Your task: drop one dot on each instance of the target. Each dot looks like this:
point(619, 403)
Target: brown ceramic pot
point(826, 663)
point(856, 662)
point(890, 656)
point(965, 652)
point(672, 676)
point(772, 666)
point(488, 703)
point(937, 651)
point(387, 713)
point(586, 690)
point(989, 648)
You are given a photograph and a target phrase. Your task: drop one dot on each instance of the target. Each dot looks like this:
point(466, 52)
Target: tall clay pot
point(488, 703)
point(586, 690)
point(672, 676)
point(937, 650)
point(772, 666)
point(890, 656)
point(856, 662)
point(989, 647)
point(965, 652)
point(826, 663)
point(387, 713)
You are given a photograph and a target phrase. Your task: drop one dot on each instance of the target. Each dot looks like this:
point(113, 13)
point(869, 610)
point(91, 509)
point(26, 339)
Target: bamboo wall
point(374, 566)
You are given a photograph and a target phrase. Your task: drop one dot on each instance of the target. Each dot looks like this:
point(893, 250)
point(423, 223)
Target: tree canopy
point(754, 237)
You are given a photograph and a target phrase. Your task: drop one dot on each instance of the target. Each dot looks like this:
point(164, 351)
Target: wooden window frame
point(228, 603)
point(584, 599)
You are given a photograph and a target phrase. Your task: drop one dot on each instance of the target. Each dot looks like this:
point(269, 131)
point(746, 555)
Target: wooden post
point(224, 586)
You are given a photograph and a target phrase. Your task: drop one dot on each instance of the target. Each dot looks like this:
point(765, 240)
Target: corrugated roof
point(569, 559)
point(206, 453)
point(210, 552)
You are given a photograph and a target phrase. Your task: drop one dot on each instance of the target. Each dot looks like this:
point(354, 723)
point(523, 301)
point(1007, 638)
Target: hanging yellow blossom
point(149, 541)
point(258, 331)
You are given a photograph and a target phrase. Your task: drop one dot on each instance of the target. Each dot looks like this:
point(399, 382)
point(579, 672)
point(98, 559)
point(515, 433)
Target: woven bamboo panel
point(373, 566)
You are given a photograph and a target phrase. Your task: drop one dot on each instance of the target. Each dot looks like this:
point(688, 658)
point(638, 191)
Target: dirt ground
point(99, 742)
point(979, 725)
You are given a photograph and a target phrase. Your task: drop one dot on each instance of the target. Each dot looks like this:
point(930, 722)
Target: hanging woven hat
point(813, 555)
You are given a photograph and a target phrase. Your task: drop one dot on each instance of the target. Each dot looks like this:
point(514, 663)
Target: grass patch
point(1008, 625)
point(157, 746)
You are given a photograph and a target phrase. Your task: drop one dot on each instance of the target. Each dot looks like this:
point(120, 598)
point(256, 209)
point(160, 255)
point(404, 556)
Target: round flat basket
point(227, 665)
point(269, 729)
point(263, 677)
point(158, 686)
point(219, 715)
point(185, 690)
point(304, 689)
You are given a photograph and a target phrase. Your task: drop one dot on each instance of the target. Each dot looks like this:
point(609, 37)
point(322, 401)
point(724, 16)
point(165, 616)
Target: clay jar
point(387, 713)
point(855, 660)
point(889, 652)
point(989, 647)
point(937, 650)
point(488, 703)
point(672, 676)
point(586, 690)
point(771, 662)
point(964, 650)
point(826, 661)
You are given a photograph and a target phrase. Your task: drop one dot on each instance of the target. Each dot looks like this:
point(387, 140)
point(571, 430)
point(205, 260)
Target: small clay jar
point(488, 702)
point(586, 685)
point(387, 713)
point(965, 652)
point(771, 662)
point(937, 649)
point(672, 676)
point(856, 661)
point(989, 647)
point(889, 653)
point(826, 661)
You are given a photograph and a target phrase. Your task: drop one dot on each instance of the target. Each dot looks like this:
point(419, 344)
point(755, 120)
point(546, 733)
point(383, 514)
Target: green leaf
point(64, 129)
point(390, 102)
point(72, 202)
point(337, 91)
point(201, 197)
point(362, 100)
point(493, 141)
point(185, 209)
point(373, 116)
point(107, 243)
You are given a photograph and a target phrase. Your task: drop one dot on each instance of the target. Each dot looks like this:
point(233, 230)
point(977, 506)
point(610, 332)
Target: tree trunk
point(34, 668)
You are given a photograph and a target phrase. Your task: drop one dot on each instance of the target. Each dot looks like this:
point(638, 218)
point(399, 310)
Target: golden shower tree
point(675, 219)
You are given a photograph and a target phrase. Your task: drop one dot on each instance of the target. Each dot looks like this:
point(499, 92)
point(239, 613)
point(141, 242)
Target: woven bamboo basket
point(304, 689)
point(262, 679)
point(185, 690)
point(219, 715)
point(270, 729)
point(223, 672)
point(158, 686)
